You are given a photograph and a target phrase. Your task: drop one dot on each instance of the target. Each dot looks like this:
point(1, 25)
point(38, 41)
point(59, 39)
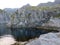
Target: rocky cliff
point(56, 2)
point(29, 16)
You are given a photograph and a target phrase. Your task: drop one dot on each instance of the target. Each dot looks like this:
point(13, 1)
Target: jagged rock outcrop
point(27, 15)
point(56, 2)
point(32, 16)
point(46, 39)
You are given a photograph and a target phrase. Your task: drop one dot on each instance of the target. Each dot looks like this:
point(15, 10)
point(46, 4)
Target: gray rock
point(47, 39)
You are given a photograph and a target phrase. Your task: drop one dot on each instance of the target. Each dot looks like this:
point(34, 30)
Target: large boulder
point(47, 39)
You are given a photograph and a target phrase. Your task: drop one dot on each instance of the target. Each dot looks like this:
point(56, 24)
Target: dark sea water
point(22, 34)
point(26, 34)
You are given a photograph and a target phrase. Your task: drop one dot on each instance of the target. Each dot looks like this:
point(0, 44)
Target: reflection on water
point(22, 34)
point(4, 31)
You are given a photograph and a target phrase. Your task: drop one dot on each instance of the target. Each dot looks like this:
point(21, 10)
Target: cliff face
point(3, 17)
point(56, 2)
point(25, 16)
point(33, 16)
point(29, 16)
